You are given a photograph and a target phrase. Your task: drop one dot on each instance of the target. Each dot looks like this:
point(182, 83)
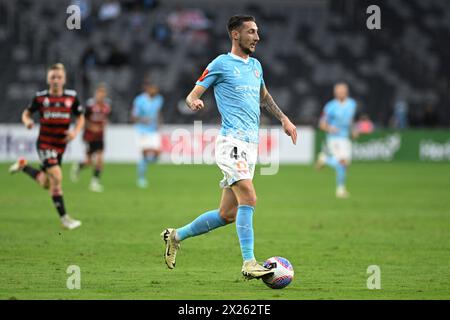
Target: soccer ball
point(283, 272)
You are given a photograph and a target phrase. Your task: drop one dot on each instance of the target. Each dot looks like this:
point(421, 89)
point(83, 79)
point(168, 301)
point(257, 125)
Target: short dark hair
point(236, 21)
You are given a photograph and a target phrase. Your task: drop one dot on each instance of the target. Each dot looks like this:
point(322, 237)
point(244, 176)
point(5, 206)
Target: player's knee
point(55, 190)
point(55, 182)
point(249, 200)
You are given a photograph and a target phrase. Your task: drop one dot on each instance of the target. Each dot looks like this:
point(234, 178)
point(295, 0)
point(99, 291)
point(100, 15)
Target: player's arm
point(325, 126)
point(26, 114)
point(354, 126)
point(78, 111)
point(136, 114)
point(79, 124)
point(27, 119)
point(354, 132)
point(269, 104)
point(138, 119)
point(193, 100)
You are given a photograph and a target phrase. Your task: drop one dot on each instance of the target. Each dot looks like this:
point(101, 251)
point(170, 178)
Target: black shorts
point(49, 158)
point(94, 146)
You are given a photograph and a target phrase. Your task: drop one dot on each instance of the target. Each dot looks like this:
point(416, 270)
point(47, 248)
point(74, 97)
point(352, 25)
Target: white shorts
point(148, 141)
point(236, 158)
point(340, 148)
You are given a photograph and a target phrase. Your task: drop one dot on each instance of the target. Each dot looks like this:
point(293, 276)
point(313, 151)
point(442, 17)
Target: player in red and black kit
point(56, 106)
point(97, 112)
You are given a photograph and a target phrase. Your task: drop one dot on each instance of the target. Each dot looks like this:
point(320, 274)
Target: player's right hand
point(29, 124)
point(146, 120)
point(70, 135)
point(197, 105)
point(332, 129)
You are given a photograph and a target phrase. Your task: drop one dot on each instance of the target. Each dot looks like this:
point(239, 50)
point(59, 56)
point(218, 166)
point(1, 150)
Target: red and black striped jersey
point(96, 114)
point(55, 117)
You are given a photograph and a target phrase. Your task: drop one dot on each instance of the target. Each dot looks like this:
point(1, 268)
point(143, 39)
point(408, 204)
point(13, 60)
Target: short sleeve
point(211, 75)
point(326, 112)
point(88, 108)
point(263, 84)
point(136, 107)
point(108, 106)
point(33, 106)
point(77, 107)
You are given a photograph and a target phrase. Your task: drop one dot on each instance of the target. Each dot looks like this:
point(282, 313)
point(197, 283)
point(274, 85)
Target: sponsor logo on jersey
point(68, 103)
point(56, 115)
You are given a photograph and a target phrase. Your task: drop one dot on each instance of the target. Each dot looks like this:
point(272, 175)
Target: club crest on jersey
point(68, 103)
point(256, 72)
point(46, 102)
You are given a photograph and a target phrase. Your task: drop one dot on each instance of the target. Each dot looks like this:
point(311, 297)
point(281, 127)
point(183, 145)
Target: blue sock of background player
point(341, 170)
point(143, 165)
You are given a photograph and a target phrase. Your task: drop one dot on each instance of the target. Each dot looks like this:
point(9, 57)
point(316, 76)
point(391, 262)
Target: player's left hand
point(355, 134)
point(70, 135)
point(289, 129)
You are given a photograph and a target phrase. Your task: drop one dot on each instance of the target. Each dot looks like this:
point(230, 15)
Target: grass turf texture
point(397, 218)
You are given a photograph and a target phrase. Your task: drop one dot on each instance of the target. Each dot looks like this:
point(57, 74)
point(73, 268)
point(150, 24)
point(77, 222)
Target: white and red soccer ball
point(283, 272)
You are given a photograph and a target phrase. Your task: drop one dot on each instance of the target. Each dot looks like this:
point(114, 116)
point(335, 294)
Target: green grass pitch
point(397, 218)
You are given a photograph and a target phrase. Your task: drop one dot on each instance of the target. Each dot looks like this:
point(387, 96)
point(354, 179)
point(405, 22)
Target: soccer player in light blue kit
point(146, 116)
point(337, 121)
point(240, 92)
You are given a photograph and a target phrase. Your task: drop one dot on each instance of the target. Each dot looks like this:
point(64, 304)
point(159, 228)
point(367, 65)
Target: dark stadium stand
point(306, 46)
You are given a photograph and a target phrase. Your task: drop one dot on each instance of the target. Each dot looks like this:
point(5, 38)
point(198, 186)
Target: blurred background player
point(240, 92)
point(55, 106)
point(147, 118)
point(97, 112)
point(337, 121)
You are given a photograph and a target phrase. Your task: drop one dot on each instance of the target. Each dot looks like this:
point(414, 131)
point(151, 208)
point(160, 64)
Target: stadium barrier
point(429, 145)
point(181, 144)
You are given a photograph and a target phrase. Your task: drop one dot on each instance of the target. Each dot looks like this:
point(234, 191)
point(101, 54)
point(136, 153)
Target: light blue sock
point(150, 158)
point(341, 174)
point(142, 168)
point(332, 162)
point(204, 223)
point(244, 228)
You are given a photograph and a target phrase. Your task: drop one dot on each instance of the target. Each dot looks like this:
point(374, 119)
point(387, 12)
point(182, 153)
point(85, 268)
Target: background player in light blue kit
point(146, 115)
point(337, 121)
point(240, 92)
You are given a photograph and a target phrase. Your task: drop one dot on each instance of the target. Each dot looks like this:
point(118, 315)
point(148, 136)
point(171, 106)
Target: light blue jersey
point(147, 107)
point(340, 115)
point(237, 85)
